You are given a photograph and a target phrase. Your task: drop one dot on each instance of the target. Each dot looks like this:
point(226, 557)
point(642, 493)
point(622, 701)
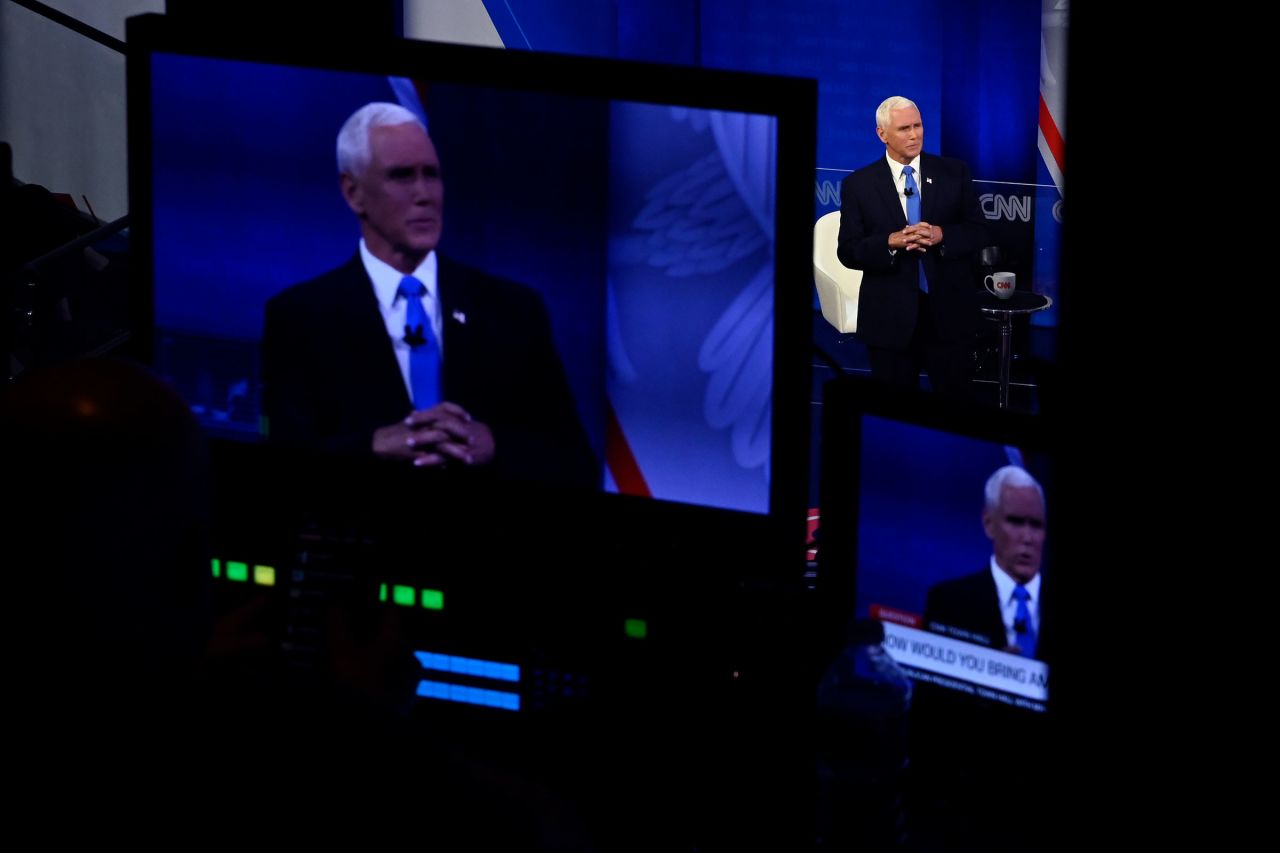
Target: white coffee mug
point(1001, 284)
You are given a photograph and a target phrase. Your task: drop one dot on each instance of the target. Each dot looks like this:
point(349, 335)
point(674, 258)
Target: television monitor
point(906, 531)
point(594, 637)
point(648, 206)
point(934, 683)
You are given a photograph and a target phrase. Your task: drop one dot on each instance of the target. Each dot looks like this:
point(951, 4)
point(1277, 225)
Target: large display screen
point(609, 259)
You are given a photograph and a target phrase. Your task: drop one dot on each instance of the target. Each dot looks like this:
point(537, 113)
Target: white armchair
point(837, 285)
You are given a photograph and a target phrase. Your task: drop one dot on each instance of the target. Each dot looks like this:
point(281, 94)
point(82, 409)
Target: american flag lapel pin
point(460, 316)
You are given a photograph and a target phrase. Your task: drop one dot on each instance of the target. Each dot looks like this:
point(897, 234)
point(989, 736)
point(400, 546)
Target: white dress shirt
point(386, 286)
point(1009, 605)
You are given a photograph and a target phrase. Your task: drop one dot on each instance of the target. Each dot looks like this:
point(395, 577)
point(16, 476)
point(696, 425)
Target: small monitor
point(937, 523)
point(935, 685)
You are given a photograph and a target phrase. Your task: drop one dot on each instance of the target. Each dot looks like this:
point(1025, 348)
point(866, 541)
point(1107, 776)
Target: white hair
point(884, 112)
point(1009, 475)
point(353, 138)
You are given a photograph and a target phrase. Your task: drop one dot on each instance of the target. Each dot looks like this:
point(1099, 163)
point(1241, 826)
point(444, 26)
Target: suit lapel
point(994, 610)
point(889, 197)
point(928, 191)
point(368, 347)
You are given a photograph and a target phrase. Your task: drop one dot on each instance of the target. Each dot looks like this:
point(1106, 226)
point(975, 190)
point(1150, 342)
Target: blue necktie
point(1026, 632)
point(913, 215)
point(424, 351)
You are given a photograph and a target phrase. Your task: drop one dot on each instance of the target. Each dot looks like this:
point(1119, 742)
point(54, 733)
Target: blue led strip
point(469, 695)
point(469, 666)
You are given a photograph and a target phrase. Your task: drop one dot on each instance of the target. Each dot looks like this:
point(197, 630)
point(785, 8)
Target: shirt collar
point(896, 167)
point(386, 278)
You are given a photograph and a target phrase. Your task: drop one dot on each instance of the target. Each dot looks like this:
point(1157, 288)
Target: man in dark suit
point(1000, 606)
point(406, 354)
point(911, 223)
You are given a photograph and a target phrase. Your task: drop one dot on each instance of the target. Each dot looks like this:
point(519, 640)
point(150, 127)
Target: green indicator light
point(264, 575)
point(402, 595)
point(217, 567)
point(636, 629)
point(237, 571)
point(433, 599)
point(382, 592)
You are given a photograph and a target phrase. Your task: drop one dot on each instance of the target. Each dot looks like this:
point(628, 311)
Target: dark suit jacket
point(971, 605)
point(870, 210)
point(331, 378)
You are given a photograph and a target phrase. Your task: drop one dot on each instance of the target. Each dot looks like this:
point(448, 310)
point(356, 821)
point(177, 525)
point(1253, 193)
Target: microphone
point(1020, 626)
point(908, 192)
point(413, 336)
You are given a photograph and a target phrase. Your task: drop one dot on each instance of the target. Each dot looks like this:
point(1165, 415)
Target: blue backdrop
point(973, 66)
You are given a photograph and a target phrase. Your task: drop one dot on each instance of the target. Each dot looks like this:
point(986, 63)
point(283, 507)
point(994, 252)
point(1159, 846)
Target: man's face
point(904, 137)
point(1016, 530)
point(400, 196)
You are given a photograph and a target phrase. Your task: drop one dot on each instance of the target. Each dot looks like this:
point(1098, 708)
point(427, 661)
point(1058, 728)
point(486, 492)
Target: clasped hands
point(917, 238)
point(433, 437)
